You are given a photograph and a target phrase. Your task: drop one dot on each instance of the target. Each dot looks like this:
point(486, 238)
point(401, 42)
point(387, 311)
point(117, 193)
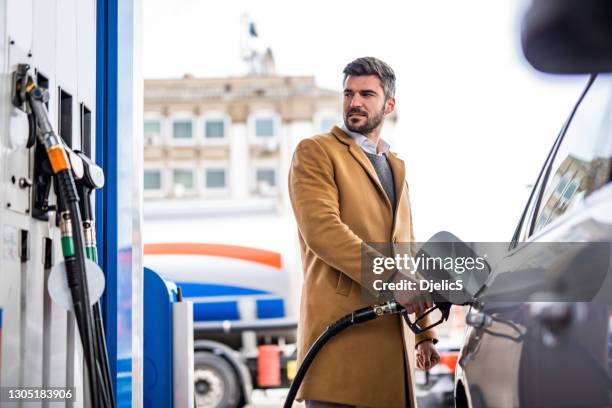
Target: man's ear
point(389, 106)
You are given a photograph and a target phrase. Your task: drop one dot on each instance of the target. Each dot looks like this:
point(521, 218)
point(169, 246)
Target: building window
point(183, 179)
point(266, 177)
point(214, 129)
point(182, 129)
point(264, 127)
point(215, 178)
point(152, 128)
point(569, 191)
point(152, 180)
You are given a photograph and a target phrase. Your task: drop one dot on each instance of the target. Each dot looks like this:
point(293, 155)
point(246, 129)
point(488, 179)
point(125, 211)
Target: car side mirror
point(568, 36)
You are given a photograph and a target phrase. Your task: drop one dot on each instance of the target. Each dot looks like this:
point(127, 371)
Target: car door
point(552, 353)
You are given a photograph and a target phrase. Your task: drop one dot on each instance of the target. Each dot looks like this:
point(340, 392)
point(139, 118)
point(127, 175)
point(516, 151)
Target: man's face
point(364, 104)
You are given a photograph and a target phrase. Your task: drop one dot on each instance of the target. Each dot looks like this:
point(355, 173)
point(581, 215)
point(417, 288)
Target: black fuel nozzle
point(25, 93)
point(76, 165)
point(21, 77)
point(92, 179)
point(445, 284)
point(94, 176)
point(417, 325)
point(443, 301)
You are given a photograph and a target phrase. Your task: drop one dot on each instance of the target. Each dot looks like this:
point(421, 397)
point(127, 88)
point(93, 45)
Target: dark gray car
point(556, 351)
point(540, 329)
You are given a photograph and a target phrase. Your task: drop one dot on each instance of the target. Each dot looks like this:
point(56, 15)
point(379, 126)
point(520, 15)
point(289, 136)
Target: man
point(348, 189)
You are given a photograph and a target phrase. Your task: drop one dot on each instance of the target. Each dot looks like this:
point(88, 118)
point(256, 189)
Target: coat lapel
point(362, 159)
point(399, 178)
point(399, 175)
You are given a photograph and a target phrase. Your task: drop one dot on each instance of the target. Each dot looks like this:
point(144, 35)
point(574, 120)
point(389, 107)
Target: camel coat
point(339, 204)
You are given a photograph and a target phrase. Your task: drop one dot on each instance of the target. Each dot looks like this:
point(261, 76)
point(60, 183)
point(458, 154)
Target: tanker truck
point(244, 333)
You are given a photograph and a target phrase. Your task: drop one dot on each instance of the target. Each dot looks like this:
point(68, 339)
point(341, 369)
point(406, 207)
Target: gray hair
point(373, 66)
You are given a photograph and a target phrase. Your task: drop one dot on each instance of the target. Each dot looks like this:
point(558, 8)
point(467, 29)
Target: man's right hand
point(417, 302)
point(414, 301)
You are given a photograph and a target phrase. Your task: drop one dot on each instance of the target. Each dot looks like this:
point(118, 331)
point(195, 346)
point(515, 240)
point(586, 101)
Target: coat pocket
point(343, 287)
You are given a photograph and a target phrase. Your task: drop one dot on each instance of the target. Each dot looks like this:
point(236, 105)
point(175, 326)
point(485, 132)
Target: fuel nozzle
point(92, 179)
point(452, 273)
point(417, 326)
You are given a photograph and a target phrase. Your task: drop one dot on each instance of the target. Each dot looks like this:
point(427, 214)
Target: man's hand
point(427, 356)
point(414, 301)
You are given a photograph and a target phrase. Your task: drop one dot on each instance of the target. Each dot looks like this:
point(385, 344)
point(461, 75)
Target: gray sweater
point(385, 175)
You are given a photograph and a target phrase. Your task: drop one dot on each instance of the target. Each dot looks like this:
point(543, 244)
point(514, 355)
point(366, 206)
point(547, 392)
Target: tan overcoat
point(339, 204)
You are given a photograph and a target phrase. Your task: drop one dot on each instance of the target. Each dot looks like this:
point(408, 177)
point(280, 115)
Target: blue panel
point(125, 364)
point(158, 297)
point(228, 310)
point(270, 308)
point(215, 311)
point(114, 204)
point(127, 208)
point(190, 289)
point(106, 141)
point(124, 383)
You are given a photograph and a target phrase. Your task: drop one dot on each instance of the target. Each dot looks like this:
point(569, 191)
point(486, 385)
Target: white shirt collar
point(366, 144)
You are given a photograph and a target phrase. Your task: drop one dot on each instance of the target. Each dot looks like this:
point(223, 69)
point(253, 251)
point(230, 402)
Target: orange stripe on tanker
point(261, 256)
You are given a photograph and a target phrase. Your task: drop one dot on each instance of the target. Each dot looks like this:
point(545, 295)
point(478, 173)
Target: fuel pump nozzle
point(93, 179)
point(416, 325)
point(442, 261)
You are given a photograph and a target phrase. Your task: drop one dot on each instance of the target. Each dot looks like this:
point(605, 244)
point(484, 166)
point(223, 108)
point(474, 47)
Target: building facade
point(228, 139)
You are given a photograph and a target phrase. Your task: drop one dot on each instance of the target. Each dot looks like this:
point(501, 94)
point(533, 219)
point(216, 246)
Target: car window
point(523, 232)
point(580, 165)
point(523, 229)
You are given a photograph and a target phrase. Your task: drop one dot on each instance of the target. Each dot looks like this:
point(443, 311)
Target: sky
point(475, 121)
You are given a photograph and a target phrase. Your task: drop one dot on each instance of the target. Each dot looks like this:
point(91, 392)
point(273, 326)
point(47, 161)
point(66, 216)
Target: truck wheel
point(216, 384)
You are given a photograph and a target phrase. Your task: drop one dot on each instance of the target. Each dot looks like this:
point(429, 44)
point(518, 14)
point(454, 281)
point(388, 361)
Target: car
point(541, 338)
point(540, 329)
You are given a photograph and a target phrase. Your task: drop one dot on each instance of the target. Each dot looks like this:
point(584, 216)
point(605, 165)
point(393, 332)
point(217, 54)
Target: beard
point(370, 124)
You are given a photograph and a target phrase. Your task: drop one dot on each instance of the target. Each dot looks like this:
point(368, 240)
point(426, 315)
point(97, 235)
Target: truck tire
point(216, 385)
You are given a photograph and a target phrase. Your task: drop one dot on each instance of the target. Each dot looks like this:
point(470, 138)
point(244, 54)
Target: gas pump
point(79, 53)
point(74, 176)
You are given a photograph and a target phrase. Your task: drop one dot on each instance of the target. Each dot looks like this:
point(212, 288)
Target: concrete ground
point(275, 398)
point(272, 398)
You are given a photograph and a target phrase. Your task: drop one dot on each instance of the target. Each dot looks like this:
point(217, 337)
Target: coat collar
point(366, 144)
point(397, 165)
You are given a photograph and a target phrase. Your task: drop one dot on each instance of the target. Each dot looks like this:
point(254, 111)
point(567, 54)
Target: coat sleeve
point(431, 333)
point(314, 198)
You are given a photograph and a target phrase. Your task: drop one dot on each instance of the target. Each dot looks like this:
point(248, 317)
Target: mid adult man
point(347, 189)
